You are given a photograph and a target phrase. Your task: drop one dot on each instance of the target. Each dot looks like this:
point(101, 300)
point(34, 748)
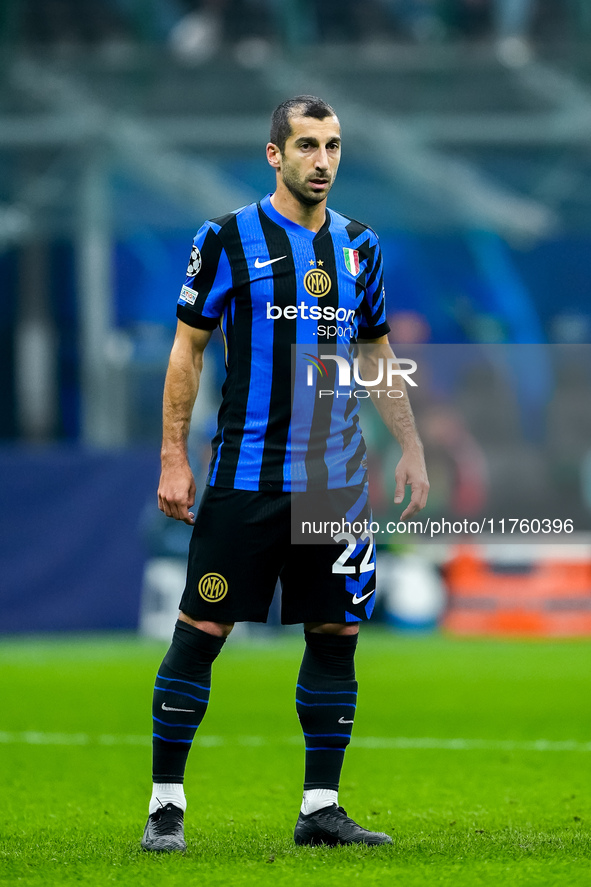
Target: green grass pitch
point(475, 755)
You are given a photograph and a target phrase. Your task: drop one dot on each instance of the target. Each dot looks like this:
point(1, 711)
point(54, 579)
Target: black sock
point(181, 695)
point(325, 702)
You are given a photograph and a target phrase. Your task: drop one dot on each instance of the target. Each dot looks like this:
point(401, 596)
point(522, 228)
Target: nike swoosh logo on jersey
point(357, 600)
point(169, 708)
point(343, 721)
point(259, 264)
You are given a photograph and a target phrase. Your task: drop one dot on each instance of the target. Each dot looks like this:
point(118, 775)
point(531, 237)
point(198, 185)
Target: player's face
point(309, 163)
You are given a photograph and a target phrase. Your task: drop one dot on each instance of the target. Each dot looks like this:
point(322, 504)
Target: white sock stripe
point(316, 798)
point(164, 793)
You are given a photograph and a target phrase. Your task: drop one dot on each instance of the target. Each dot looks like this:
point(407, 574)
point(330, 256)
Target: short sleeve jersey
point(283, 296)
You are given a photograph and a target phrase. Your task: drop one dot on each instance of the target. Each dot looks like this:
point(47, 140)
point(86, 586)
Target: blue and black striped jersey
point(279, 291)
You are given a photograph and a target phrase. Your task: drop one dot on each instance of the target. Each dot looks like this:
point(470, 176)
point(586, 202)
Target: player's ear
point(273, 155)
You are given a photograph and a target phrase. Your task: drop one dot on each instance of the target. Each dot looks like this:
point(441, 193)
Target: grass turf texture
point(509, 813)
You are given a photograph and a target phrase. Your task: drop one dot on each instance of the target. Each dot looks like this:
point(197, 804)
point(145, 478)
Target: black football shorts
point(241, 545)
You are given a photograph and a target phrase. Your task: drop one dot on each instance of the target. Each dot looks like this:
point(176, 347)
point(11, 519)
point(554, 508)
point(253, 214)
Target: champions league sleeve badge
point(194, 266)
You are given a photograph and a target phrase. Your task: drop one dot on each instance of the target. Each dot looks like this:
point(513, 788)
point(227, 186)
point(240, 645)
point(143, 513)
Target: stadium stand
point(473, 166)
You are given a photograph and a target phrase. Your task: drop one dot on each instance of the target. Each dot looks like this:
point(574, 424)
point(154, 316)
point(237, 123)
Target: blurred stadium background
point(125, 123)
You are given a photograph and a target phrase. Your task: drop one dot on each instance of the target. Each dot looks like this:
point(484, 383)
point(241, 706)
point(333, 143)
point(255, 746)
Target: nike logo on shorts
point(343, 721)
point(357, 600)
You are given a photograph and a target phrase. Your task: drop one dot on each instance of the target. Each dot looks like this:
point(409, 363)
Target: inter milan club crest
point(352, 260)
point(212, 587)
point(317, 282)
point(194, 263)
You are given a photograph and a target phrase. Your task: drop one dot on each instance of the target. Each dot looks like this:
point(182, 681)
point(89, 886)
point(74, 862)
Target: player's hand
point(411, 470)
point(176, 493)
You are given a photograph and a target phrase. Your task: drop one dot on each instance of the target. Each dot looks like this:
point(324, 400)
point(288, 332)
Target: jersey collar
point(293, 227)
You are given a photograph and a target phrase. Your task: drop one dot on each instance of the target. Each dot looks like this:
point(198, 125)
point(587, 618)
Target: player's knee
point(217, 629)
point(338, 628)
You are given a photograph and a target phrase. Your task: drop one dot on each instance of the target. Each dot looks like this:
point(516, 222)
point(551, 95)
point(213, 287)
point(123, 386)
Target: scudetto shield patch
point(352, 261)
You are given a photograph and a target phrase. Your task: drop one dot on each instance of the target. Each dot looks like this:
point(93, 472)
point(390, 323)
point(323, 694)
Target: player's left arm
point(398, 417)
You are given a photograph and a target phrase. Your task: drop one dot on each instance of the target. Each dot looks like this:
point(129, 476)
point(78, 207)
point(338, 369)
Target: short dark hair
point(302, 106)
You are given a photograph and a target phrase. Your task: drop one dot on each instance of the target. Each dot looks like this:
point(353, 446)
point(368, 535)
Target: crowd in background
point(196, 28)
point(299, 22)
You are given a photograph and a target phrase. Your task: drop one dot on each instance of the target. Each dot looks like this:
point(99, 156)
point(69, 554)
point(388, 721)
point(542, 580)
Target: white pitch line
point(471, 744)
point(31, 737)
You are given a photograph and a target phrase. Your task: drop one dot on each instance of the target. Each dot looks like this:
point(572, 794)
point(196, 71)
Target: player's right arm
point(176, 491)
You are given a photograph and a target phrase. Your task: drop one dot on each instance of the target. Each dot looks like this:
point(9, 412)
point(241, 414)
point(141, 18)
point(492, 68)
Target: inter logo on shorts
point(317, 282)
point(212, 587)
point(352, 260)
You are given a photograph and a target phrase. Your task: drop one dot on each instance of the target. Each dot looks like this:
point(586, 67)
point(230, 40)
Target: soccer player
point(285, 271)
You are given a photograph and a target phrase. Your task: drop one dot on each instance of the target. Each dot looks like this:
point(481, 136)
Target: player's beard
point(297, 186)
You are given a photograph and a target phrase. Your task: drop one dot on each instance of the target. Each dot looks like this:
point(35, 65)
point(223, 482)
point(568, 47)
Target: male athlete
point(274, 274)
